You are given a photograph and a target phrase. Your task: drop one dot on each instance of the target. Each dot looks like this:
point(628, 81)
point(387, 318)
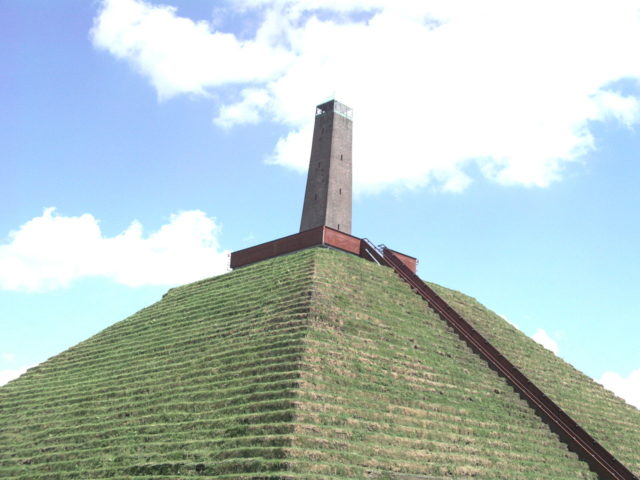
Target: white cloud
point(245, 111)
point(627, 388)
point(8, 375)
point(544, 339)
point(509, 321)
point(51, 251)
point(179, 55)
point(7, 356)
point(437, 87)
point(624, 109)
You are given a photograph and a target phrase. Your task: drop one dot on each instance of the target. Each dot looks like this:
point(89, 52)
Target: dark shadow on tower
point(327, 199)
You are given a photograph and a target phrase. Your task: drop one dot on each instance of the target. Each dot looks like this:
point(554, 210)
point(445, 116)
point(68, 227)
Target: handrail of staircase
point(369, 251)
point(599, 459)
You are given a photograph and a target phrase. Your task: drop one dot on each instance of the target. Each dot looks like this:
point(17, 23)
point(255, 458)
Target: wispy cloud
point(627, 388)
point(509, 321)
point(11, 374)
point(51, 251)
point(179, 55)
point(510, 88)
point(544, 339)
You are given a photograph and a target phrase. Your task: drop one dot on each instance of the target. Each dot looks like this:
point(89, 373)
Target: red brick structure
point(327, 199)
point(326, 214)
point(319, 236)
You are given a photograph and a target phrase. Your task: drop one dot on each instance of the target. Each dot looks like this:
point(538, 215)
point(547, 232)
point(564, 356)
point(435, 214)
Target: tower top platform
point(335, 106)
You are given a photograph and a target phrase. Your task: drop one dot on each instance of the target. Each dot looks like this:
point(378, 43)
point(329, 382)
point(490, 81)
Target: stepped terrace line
point(316, 364)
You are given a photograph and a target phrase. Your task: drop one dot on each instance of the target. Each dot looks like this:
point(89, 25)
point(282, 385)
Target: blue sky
point(141, 142)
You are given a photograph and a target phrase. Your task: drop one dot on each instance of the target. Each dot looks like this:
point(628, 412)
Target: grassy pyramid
point(312, 365)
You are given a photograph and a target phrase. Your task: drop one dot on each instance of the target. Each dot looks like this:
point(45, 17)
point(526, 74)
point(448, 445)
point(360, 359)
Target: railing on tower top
point(598, 458)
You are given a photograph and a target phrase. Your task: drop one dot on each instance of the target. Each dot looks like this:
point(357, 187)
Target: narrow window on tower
point(340, 192)
point(340, 156)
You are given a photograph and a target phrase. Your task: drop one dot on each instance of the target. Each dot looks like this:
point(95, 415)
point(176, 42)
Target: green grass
point(612, 422)
point(312, 365)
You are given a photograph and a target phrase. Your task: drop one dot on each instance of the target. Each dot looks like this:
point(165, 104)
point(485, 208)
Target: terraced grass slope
point(201, 383)
point(313, 365)
point(607, 418)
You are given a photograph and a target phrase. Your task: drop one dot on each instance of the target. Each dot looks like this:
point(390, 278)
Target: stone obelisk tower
point(327, 200)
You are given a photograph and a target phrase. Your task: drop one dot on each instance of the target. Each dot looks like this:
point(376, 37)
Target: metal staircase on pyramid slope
point(598, 458)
